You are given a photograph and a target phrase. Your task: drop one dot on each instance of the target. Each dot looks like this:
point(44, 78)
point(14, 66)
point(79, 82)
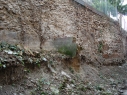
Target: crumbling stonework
point(36, 23)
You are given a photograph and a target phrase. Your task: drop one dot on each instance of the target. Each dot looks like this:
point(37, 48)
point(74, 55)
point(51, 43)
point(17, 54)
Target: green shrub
point(69, 50)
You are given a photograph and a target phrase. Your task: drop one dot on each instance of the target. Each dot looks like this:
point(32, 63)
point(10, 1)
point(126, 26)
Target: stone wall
point(36, 23)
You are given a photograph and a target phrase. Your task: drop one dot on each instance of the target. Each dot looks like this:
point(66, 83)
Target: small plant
point(100, 87)
point(62, 86)
point(100, 47)
point(71, 70)
point(44, 81)
point(37, 62)
point(69, 50)
point(82, 88)
point(66, 46)
point(3, 45)
point(33, 92)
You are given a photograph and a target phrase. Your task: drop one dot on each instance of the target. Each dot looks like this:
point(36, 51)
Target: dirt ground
point(23, 72)
point(59, 79)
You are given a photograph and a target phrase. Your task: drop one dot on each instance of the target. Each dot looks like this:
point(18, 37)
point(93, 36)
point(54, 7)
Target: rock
point(21, 94)
point(65, 74)
point(125, 92)
point(44, 59)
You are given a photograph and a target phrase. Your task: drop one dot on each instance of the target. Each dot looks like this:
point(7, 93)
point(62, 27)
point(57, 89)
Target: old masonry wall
point(36, 23)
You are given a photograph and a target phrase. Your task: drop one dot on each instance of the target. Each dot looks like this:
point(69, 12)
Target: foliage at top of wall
point(122, 9)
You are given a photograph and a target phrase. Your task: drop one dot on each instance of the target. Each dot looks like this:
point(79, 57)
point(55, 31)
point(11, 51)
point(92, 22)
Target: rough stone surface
point(36, 23)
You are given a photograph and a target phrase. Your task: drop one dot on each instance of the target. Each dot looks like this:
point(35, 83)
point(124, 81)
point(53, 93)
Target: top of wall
point(95, 11)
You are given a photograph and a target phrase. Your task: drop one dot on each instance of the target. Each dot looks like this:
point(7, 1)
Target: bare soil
point(55, 77)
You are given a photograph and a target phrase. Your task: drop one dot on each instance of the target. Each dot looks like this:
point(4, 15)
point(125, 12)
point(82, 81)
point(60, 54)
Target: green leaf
point(1, 65)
